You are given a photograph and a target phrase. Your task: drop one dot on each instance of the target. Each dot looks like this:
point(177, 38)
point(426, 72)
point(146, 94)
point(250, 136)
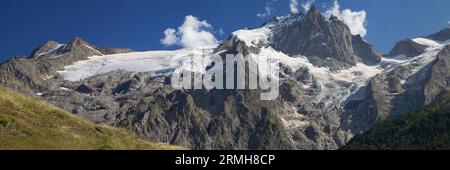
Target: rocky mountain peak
point(49, 45)
point(44, 48)
point(313, 10)
point(367, 53)
point(326, 43)
point(53, 49)
point(442, 35)
point(408, 48)
point(314, 15)
point(77, 43)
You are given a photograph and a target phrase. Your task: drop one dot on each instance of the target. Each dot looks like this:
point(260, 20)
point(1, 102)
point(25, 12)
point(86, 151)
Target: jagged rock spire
point(327, 43)
point(313, 9)
point(44, 48)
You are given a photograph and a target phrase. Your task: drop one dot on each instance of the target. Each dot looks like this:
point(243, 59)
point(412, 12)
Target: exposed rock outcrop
point(408, 48)
point(442, 35)
point(327, 43)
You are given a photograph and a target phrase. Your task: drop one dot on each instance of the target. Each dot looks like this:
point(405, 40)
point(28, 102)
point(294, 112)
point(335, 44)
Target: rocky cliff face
point(407, 48)
point(196, 119)
point(326, 42)
point(366, 52)
point(439, 80)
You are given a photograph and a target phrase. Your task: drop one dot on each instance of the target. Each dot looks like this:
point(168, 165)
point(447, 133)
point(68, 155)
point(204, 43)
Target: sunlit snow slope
point(156, 62)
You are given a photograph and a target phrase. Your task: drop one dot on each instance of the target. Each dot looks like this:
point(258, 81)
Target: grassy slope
point(27, 123)
point(423, 129)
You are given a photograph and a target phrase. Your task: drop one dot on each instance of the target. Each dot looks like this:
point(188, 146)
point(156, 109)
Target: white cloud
point(307, 5)
point(269, 10)
point(354, 19)
point(193, 33)
point(221, 32)
point(169, 37)
point(293, 5)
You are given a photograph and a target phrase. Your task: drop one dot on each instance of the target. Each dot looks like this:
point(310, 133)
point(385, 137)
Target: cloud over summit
point(269, 10)
point(294, 6)
point(192, 33)
point(354, 19)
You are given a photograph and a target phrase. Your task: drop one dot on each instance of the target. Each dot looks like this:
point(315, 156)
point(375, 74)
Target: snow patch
point(50, 51)
point(46, 77)
point(401, 57)
point(254, 37)
point(294, 120)
point(93, 49)
point(156, 62)
point(432, 45)
point(65, 89)
point(335, 87)
point(426, 42)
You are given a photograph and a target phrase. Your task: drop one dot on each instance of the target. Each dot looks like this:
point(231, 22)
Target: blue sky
point(140, 24)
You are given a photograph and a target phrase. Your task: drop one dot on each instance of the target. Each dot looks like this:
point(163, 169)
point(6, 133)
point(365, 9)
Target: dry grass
point(30, 124)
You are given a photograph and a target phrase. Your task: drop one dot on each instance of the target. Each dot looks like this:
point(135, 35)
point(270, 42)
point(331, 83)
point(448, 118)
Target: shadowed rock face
point(43, 51)
point(442, 35)
point(439, 81)
point(368, 54)
point(408, 48)
point(326, 43)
